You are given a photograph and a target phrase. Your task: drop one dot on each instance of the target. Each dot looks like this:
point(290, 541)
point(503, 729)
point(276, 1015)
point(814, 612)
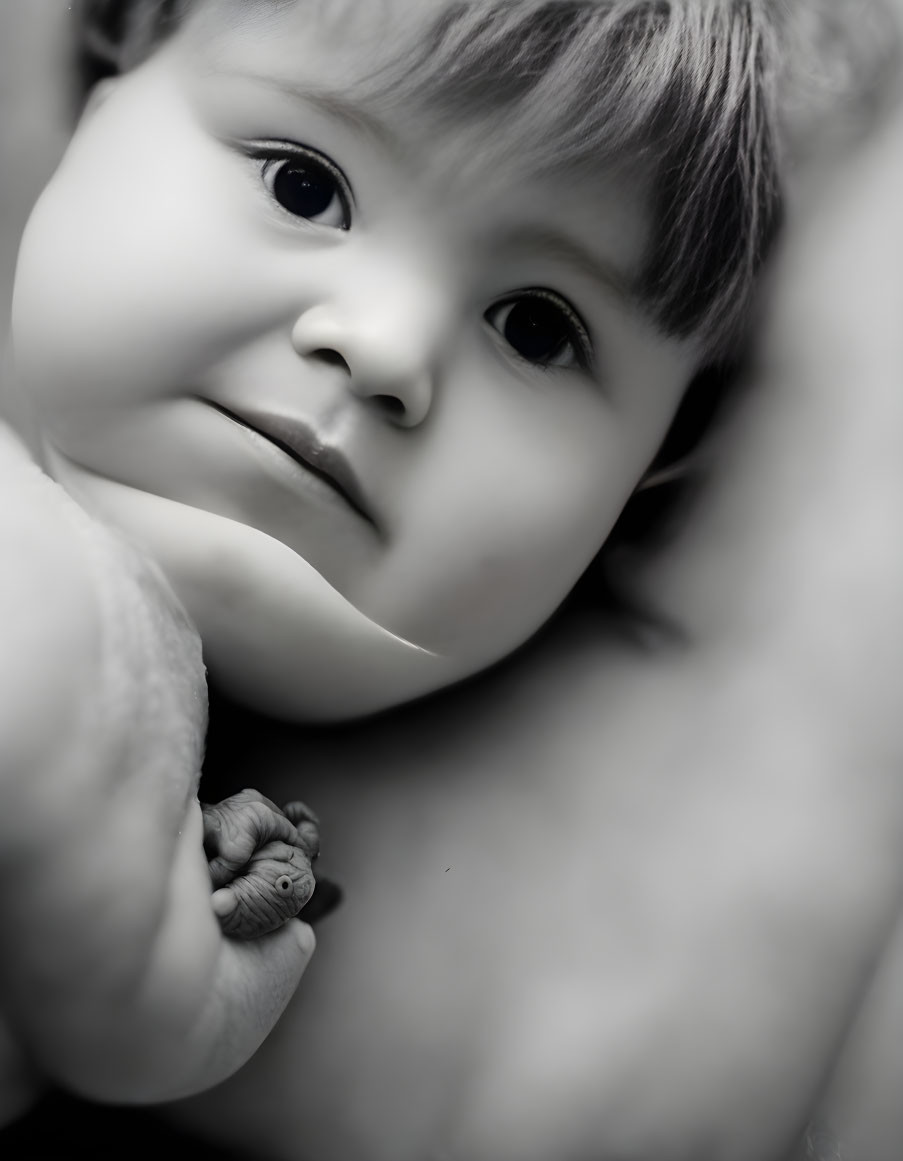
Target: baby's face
point(407, 357)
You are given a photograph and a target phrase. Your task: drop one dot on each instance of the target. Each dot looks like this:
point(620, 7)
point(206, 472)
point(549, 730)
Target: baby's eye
point(306, 184)
point(543, 328)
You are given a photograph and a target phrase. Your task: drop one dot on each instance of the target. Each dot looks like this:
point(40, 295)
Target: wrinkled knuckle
point(304, 889)
point(256, 810)
point(220, 871)
point(276, 850)
point(259, 910)
point(309, 838)
point(272, 891)
point(238, 833)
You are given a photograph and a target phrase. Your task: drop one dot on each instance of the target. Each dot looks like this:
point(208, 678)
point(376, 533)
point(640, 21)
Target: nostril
point(390, 405)
point(331, 358)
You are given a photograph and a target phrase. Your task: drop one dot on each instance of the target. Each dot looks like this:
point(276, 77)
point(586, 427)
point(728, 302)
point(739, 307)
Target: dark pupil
point(304, 190)
point(536, 329)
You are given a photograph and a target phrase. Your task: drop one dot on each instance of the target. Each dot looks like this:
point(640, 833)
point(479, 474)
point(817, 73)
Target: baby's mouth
point(301, 444)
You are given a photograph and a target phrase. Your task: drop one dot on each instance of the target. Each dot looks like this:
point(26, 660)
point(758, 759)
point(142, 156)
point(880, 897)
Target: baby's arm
point(116, 976)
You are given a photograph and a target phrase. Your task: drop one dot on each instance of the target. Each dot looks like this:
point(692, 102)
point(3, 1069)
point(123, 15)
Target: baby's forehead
point(520, 78)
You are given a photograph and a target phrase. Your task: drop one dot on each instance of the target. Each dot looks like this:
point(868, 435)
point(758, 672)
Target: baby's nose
point(389, 361)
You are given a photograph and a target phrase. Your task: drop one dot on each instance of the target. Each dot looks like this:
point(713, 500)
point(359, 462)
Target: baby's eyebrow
point(540, 240)
point(547, 242)
point(332, 103)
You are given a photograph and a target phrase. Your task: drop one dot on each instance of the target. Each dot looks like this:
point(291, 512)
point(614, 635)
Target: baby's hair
point(681, 91)
point(696, 95)
point(687, 91)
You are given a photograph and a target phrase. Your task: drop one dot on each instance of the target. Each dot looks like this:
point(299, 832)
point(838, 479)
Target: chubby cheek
point(522, 498)
point(128, 278)
point(486, 601)
point(495, 546)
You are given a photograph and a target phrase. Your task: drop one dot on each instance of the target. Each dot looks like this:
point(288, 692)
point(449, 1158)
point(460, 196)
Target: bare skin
point(613, 925)
point(260, 862)
point(765, 907)
point(108, 797)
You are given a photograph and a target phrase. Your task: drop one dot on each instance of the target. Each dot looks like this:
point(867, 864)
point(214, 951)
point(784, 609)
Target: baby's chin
point(277, 636)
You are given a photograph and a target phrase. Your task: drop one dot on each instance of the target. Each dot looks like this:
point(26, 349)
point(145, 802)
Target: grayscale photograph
point(451, 580)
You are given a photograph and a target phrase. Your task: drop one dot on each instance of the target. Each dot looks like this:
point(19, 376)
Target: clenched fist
point(260, 861)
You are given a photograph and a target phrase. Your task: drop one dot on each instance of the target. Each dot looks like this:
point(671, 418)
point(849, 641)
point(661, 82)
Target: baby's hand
point(260, 862)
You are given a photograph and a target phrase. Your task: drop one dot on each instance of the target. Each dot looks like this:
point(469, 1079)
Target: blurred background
point(34, 121)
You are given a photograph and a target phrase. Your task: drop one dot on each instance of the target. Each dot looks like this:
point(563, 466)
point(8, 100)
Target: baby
point(362, 324)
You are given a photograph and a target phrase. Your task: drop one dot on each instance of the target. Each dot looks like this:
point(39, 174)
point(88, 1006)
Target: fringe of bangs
point(684, 89)
point(701, 94)
point(709, 98)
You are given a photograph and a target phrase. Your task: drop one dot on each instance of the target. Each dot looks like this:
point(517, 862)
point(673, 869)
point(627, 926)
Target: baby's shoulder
point(48, 613)
point(91, 631)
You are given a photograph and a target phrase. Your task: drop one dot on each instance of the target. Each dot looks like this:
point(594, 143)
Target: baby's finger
point(307, 825)
point(235, 828)
point(275, 886)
